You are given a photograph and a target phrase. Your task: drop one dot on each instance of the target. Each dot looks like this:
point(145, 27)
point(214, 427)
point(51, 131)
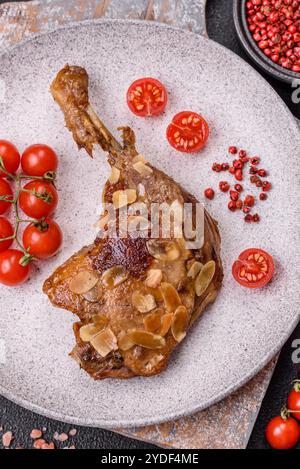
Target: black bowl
point(252, 49)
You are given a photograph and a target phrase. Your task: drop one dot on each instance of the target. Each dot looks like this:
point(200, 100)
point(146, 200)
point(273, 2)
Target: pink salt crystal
point(38, 443)
point(48, 446)
point(7, 439)
point(63, 437)
point(35, 433)
point(73, 432)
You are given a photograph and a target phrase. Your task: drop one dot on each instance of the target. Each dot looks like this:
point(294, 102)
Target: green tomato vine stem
point(45, 196)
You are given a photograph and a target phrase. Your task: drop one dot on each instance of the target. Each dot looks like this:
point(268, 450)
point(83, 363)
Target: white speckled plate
point(243, 330)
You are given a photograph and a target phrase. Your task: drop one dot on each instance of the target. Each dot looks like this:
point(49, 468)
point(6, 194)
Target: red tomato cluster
point(188, 132)
point(38, 199)
point(283, 431)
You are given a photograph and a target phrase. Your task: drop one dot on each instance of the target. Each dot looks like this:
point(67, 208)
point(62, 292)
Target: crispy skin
point(116, 304)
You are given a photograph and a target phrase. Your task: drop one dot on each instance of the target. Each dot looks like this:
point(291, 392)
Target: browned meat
point(135, 298)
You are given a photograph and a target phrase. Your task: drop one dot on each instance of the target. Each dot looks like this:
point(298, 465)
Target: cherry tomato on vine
point(283, 433)
point(294, 400)
point(5, 190)
point(10, 157)
point(42, 240)
point(41, 206)
point(39, 159)
point(12, 273)
point(254, 268)
point(147, 97)
point(188, 132)
point(6, 230)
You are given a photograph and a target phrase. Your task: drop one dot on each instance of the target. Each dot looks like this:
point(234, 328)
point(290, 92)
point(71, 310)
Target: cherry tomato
point(147, 97)
point(38, 159)
point(283, 434)
point(42, 240)
point(294, 400)
point(254, 268)
point(36, 207)
point(5, 190)
point(6, 230)
point(188, 132)
point(11, 271)
point(10, 156)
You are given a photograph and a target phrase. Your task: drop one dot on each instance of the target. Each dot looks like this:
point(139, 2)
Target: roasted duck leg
point(135, 296)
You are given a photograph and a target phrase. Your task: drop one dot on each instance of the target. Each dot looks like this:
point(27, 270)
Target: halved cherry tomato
point(254, 268)
point(42, 240)
point(34, 206)
point(147, 97)
point(11, 271)
point(10, 157)
point(188, 132)
point(294, 400)
point(38, 159)
point(283, 433)
point(5, 191)
point(6, 230)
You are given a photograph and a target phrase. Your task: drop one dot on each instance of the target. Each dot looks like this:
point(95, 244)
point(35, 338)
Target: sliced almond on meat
point(155, 360)
point(205, 277)
point(147, 339)
point(89, 331)
point(163, 250)
point(137, 222)
point(95, 294)
point(180, 323)
point(114, 276)
point(194, 269)
point(166, 322)
point(83, 282)
point(124, 342)
point(152, 321)
point(171, 297)
point(114, 175)
point(105, 342)
point(123, 198)
point(154, 278)
point(100, 320)
point(142, 168)
point(138, 158)
point(143, 303)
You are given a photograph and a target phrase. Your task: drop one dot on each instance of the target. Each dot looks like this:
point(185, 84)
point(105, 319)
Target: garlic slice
point(143, 303)
point(142, 168)
point(152, 321)
point(83, 282)
point(166, 322)
point(89, 331)
point(105, 342)
point(194, 269)
point(180, 323)
point(95, 294)
point(139, 158)
point(124, 342)
point(114, 276)
point(114, 175)
point(205, 277)
point(154, 278)
point(171, 297)
point(147, 339)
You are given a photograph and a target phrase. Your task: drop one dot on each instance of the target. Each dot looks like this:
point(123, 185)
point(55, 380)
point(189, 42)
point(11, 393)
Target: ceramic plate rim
point(193, 407)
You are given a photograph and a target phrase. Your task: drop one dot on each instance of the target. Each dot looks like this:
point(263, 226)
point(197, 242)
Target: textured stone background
point(220, 27)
